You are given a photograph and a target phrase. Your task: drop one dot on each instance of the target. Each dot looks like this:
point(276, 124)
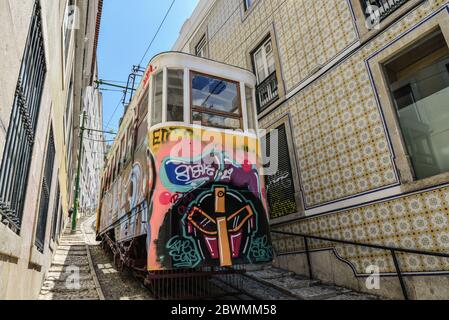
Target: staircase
point(294, 286)
point(70, 276)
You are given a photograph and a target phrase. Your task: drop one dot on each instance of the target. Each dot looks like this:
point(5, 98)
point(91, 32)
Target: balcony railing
point(267, 92)
point(378, 10)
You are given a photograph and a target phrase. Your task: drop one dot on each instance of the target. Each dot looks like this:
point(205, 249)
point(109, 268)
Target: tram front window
point(175, 95)
point(215, 102)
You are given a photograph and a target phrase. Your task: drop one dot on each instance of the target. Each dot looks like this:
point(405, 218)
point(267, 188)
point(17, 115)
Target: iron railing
point(380, 9)
point(45, 194)
point(267, 92)
point(392, 251)
point(19, 143)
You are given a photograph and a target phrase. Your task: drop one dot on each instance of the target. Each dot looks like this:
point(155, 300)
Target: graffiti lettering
point(163, 135)
point(191, 173)
point(260, 249)
point(183, 252)
point(226, 174)
point(281, 179)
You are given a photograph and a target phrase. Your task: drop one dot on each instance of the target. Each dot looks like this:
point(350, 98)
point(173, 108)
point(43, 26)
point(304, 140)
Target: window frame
point(400, 155)
point(202, 44)
point(276, 101)
point(262, 48)
point(194, 108)
point(165, 93)
point(300, 208)
point(48, 173)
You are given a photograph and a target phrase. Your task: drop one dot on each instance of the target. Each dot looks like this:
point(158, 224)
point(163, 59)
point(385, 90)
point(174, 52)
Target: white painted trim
point(256, 118)
point(356, 201)
point(243, 102)
point(164, 95)
point(179, 60)
point(150, 100)
point(187, 95)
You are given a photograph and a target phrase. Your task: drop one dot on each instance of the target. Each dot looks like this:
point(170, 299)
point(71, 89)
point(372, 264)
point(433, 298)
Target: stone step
point(72, 248)
point(270, 273)
point(62, 286)
point(90, 294)
point(62, 276)
point(256, 267)
point(73, 243)
point(319, 292)
point(70, 252)
point(288, 283)
point(354, 296)
point(63, 268)
point(261, 291)
point(71, 260)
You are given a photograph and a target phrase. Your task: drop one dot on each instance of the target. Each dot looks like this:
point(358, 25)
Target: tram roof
point(178, 59)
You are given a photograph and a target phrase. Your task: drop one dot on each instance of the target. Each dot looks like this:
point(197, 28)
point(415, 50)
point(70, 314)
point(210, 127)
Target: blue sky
point(127, 28)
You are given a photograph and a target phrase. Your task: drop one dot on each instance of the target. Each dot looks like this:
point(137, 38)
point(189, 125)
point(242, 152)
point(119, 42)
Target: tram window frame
point(129, 141)
point(223, 114)
point(166, 107)
point(251, 110)
point(123, 146)
point(153, 98)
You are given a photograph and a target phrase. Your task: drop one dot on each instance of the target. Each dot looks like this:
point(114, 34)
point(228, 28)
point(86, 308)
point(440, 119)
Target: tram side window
point(129, 141)
point(216, 102)
point(123, 152)
point(156, 110)
point(175, 95)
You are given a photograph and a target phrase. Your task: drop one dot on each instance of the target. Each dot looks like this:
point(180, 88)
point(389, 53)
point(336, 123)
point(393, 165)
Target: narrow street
point(224, 150)
point(82, 270)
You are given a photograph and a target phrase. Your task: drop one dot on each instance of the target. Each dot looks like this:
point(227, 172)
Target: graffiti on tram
point(207, 208)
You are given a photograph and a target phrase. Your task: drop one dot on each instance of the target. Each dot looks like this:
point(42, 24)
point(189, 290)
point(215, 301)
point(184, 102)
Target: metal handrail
point(392, 250)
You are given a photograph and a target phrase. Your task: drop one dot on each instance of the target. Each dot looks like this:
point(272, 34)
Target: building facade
point(47, 62)
point(358, 91)
point(93, 155)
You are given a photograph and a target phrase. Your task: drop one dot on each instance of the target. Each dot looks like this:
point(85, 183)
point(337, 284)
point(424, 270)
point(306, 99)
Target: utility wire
point(113, 114)
point(157, 32)
point(146, 52)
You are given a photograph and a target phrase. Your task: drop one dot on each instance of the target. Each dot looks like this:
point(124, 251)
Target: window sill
point(9, 243)
point(426, 183)
point(37, 257)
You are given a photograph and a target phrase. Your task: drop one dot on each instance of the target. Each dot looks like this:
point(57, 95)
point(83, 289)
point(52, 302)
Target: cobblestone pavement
point(115, 285)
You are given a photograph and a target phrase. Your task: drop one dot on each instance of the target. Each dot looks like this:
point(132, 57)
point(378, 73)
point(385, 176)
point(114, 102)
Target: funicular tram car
point(182, 190)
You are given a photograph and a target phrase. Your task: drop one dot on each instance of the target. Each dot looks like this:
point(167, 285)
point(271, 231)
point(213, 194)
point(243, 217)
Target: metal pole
point(309, 264)
point(78, 172)
point(398, 271)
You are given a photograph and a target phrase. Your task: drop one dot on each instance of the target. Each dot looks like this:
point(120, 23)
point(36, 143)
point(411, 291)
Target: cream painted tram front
point(183, 187)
